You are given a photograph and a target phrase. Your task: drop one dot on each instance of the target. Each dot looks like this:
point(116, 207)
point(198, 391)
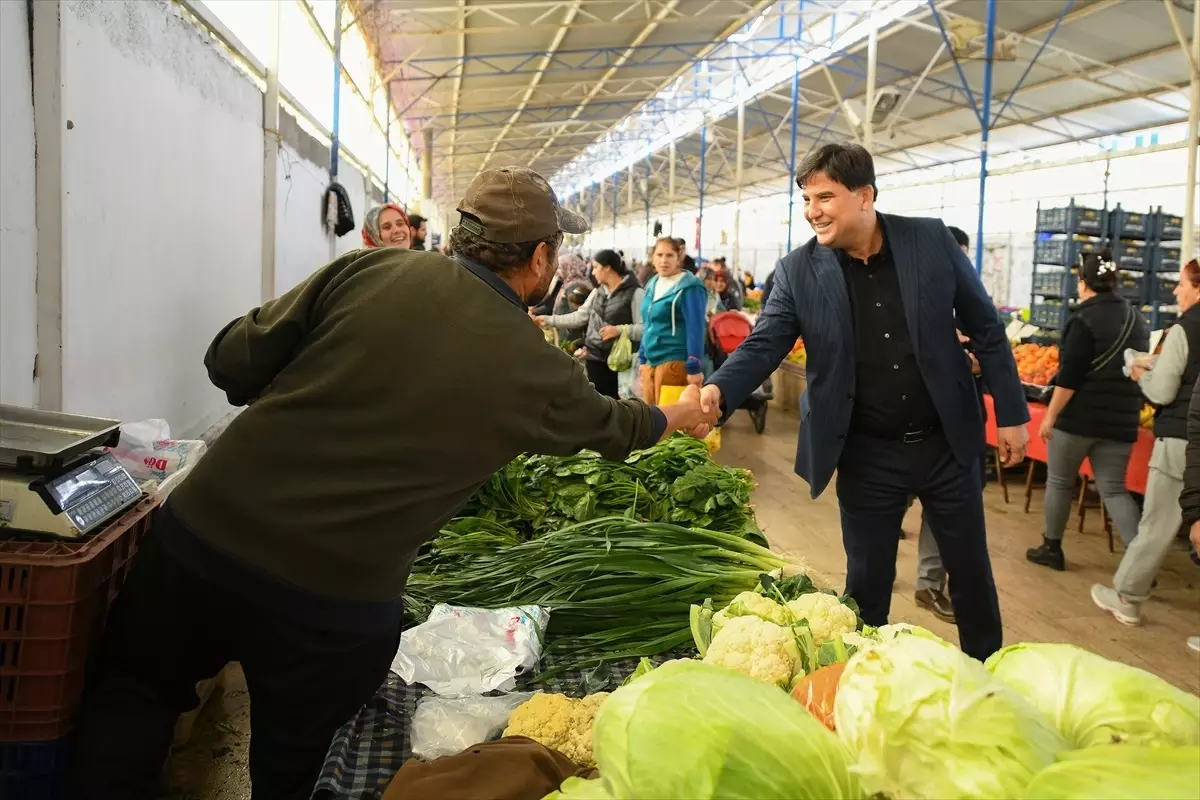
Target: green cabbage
point(580, 789)
point(1094, 701)
point(927, 721)
point(1120, 772)
point(692, 730)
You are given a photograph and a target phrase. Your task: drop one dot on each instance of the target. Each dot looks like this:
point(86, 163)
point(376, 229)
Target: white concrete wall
point(18, 231)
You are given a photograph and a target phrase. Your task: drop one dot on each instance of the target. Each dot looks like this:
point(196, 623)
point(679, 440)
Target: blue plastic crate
point(1167, 227)
point(1053, 283)
point(1130, 224)
point(1064, 252)
point(33, 771)
point(1048, 315)
point(1166, 258)
point(1071, 219)
point(1131, 255)
point(1131, 287)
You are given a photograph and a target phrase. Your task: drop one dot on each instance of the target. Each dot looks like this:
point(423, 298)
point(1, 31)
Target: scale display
point(91, 493)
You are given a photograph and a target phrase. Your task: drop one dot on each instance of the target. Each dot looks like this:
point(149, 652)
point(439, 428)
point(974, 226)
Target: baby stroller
point(726, 331)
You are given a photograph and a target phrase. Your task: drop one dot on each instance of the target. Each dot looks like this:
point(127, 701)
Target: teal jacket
point(674, 325)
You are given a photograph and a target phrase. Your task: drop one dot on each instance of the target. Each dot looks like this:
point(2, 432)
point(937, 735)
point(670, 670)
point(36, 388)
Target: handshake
point(696, 413)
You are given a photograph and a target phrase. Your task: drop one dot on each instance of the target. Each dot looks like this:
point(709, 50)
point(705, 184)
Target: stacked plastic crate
point(1130, 236)
point(54, 601)
point(1164, 250)
point(1063, 234)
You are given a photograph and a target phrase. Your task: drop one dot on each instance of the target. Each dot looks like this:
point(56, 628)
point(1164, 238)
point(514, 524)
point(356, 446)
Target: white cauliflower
point(559, 722)
point(827, 617)
point(752, 604)
point(757, 648)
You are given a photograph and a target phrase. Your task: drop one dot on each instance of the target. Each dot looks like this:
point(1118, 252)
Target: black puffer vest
point(609, 309)
point(1107, 404)
point(1170, 422)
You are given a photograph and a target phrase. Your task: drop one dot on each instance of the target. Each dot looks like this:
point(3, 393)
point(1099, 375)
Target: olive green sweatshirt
point(374, 415)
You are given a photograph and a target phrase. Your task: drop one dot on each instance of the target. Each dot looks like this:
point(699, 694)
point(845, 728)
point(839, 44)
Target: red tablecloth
point(1139, 461)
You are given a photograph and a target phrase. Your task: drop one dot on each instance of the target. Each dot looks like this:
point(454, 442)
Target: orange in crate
point(54, 601)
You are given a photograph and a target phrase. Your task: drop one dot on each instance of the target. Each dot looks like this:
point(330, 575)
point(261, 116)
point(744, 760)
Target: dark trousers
point(170, 629)
point(603, 378)
point(875, 479)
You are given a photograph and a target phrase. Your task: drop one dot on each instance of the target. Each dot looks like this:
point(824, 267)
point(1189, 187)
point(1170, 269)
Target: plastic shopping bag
point(620, 358)
point(444, 726)
point(468, 651)
point(148, 453)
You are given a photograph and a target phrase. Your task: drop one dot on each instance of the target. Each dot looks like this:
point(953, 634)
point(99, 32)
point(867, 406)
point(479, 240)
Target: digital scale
point(55, 482)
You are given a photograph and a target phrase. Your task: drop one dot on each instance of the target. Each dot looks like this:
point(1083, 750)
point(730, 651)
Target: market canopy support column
point(1192, 54)
point(49, 128)
point(271, 138)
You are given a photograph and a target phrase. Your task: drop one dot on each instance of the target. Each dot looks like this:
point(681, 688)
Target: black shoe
point(1048, 555)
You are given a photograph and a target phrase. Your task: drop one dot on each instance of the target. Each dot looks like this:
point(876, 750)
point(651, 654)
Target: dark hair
point(499, 257)
point(612, 260)
point(416, 220)
point(848, 164)
point(1097, 271)
point(680, 244)
point(1191, 271)
point(578, 293)
point(960, 236)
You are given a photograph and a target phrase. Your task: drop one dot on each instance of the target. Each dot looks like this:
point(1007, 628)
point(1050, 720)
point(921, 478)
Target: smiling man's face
point(835, 213)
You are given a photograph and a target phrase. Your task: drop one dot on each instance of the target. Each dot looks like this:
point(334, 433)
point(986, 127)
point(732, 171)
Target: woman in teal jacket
point(673, 320)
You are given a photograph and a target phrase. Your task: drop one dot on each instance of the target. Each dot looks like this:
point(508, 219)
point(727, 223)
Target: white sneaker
point(1194, 642)
point(1111, 601)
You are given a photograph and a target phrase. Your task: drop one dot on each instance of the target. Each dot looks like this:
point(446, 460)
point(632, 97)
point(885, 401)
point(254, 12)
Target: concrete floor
point(1038, 605)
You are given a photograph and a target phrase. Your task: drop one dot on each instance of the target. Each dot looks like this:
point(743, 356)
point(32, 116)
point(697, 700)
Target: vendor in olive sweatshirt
point(371, 420)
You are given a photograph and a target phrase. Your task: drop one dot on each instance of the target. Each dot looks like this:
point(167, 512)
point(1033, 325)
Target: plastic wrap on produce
point(443, 726)
point(1135, 359)
point(458, 652)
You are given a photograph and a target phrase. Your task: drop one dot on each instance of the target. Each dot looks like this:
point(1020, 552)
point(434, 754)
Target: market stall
point(681, 659)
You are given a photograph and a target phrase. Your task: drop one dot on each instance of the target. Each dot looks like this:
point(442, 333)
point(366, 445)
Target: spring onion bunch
point(616, 588)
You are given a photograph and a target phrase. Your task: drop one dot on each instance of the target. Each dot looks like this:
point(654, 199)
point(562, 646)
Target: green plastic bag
point(620, 358)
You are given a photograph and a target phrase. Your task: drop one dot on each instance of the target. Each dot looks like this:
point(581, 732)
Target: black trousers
point(169, 629)
point(603, 378)
point(875, 479)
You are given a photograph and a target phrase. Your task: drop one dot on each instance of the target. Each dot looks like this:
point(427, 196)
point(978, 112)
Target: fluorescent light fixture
point(763, 73)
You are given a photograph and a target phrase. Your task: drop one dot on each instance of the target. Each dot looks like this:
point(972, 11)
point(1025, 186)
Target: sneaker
point(1048, 556)
point(1194, 643)
point(1110, 600)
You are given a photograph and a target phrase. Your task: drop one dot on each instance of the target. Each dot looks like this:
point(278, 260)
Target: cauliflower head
point(755, 647)
point(752, 604)
point(827, 618)
point(559, 722)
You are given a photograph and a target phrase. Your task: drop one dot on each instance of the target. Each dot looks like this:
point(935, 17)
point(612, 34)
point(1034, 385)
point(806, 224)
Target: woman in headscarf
point(386, 226)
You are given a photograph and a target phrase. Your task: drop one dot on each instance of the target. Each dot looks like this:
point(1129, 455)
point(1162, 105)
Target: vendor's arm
point(578, 417)
point(694, 304)
point(1161, 384)
point(768, 344)
point(979, 320)
point(249, 352)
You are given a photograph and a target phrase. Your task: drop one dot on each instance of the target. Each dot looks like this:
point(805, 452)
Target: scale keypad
point(103, 504)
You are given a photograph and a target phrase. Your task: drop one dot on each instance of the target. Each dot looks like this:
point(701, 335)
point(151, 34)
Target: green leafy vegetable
point(1120, 772)
point(927, 721)
point(1094, 701)
point(784, 590)
point(692, 730)
point(700, 619)
point(644, 667)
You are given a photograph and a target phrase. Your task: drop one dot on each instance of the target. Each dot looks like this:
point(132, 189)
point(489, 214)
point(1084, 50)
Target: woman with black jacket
point(612, 309)
point(1189, 498)
point(1169, 386)
point(1094, 410)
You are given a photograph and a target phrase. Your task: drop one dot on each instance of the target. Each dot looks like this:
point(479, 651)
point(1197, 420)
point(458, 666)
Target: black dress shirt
point(891, 398)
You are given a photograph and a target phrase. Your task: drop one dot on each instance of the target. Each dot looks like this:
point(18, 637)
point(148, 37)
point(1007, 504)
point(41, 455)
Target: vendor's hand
point(581, 353)
point(1011, 442)
point(1046, 431)
point(1136, 372)
point(710, 404)
point(610, 332)
point(695, 380)
point(688, 415)
point(975, 368)
point(541, 322)
point(1195, 536)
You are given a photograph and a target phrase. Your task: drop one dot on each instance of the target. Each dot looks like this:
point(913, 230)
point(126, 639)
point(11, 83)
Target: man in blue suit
point(891, 403)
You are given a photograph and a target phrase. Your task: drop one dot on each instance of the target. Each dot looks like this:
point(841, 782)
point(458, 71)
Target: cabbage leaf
point(1120, 772)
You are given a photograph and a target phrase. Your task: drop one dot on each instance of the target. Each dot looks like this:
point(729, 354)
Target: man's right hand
point(688, 415)
point(709, 400)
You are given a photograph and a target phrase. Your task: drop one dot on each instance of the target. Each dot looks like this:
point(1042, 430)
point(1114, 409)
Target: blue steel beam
point(985, 127)
point(337, 89)
point(1021, 82)
point(792, 161)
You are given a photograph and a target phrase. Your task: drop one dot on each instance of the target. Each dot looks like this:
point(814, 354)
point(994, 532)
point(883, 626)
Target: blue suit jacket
point(940, 290)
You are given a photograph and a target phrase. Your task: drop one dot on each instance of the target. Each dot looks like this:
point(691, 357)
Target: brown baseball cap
point(515, 204)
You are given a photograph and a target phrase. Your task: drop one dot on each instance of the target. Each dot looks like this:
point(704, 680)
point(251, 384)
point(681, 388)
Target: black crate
point(1130, 255)
point(1124, 224)
point(1164, 318)
point(1064, 252)
point(1071, 219)
point(1166, 227)
point(1131, 287)
point(1166, 258)
point(1053, 283)
point(1048, 315)
point(1164, 290)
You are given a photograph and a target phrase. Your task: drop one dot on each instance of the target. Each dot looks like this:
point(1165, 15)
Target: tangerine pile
point(1036, 363)
point(798, 354)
